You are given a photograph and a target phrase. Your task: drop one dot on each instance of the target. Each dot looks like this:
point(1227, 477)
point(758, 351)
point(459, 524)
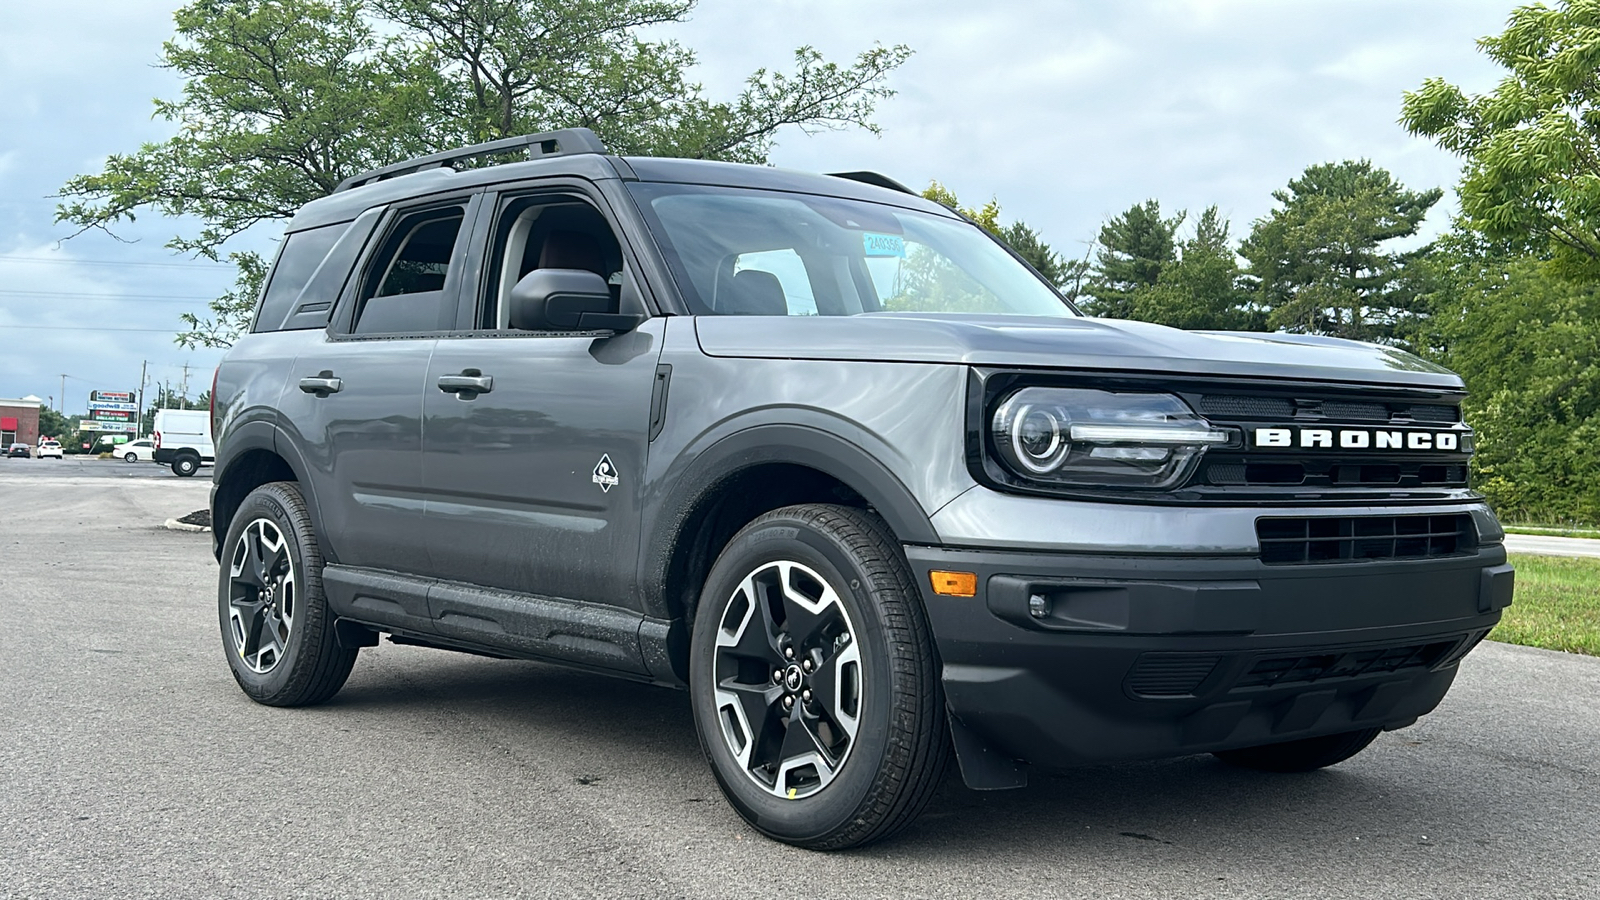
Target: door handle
point(467, 385)
point(322, 384)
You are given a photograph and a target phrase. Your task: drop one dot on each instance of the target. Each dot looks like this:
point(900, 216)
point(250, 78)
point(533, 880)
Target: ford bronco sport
point(839, 463)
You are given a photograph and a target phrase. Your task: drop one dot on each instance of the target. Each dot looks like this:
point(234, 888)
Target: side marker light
point(954, 584)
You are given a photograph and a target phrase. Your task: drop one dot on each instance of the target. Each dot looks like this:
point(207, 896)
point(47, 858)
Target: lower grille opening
point(1170, 674)
point(1346, 664)
point(1287, 541)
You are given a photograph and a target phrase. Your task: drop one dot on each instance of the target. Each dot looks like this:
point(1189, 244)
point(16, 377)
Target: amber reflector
point(954, 584)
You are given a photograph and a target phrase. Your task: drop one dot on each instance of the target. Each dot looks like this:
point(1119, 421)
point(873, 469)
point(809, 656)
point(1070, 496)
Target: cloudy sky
point(1066, 112)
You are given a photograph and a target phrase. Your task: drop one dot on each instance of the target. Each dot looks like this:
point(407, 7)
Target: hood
point(1078, 343)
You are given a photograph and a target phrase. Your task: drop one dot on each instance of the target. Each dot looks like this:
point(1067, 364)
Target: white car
point(50, 448)
point(142, 450)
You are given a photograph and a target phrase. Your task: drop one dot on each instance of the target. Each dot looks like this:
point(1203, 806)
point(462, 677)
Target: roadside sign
point(87, 425)
point(110, 397)
point(113, 404)
point(111, 415)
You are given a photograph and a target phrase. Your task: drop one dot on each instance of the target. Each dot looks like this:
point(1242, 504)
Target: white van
point(183, 439)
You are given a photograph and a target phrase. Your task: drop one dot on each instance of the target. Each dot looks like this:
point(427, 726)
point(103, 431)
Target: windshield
point(750, 252)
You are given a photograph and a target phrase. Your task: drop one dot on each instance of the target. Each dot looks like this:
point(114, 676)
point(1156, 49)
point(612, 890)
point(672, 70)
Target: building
point(19, 421)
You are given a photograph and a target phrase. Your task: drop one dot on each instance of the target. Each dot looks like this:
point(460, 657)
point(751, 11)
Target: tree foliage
point(1065, 274)
point(1133, 249)
point(1532, 145)
point(1202, 288)
point(1320, 260)
point(283, 99)
point(1522, 338)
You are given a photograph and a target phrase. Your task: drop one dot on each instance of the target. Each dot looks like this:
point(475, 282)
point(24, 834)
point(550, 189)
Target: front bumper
point(1143, 657)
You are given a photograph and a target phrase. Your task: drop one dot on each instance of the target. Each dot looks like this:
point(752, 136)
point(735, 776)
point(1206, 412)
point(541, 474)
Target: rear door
point(534, 477)
point(354, 398)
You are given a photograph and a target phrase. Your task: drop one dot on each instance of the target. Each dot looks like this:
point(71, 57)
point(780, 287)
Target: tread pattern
point(919, 748)
point(321, 666)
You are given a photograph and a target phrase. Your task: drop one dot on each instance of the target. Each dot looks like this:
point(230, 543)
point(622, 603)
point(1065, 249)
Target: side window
point(768, 283)
point(403, 290)
point(302, 253)
point(546, 232)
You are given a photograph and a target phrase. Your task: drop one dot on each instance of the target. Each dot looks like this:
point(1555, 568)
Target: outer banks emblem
point(605, 474)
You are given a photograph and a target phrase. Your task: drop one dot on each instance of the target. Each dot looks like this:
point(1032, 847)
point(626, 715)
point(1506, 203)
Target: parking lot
point(131, 766)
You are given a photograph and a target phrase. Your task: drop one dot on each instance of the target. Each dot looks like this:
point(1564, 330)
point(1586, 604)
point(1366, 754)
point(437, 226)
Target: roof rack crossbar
point(565, 142)
point(875, 179)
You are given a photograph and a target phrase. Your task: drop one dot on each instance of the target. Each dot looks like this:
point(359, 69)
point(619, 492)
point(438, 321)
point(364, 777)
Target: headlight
point(1077, 436)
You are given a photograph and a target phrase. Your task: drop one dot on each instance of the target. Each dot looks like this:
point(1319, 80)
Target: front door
point(534, 442)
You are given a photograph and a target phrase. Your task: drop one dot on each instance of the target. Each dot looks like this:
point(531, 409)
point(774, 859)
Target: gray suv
point(840, 464)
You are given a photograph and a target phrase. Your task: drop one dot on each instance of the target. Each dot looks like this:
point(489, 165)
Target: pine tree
point(1134, 247)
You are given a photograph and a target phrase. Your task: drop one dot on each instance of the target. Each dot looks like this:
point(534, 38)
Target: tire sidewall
point(837, 804)
point(185, 466)
point(267, 503)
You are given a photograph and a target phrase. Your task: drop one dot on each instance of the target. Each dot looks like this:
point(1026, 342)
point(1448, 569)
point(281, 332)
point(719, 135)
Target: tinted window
point(404, 289)
point(750, 252)
point(550, 233)
point(302, 252)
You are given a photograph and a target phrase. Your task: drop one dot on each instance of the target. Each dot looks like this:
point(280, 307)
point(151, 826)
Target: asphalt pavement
point(132, 766)
point(1549, 545)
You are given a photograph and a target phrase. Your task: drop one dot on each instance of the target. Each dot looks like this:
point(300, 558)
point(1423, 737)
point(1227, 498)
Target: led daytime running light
point(1146, 434)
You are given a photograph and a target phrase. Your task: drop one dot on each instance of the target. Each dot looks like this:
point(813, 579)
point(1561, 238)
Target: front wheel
point(1302, 755)
point(277, 630)
point(130, 457)
point(814, 679)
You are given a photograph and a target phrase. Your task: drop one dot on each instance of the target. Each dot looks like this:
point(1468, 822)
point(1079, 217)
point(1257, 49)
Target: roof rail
point(876, 180)
point(550, 143)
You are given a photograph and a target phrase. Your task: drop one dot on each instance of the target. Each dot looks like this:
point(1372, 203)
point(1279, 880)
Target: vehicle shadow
point(1193, 804)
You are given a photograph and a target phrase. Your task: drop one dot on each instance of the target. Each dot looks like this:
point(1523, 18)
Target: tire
point(279, 638)
point(130, 457)
point(1303, 755)
point(852, 615)
point(185, 465)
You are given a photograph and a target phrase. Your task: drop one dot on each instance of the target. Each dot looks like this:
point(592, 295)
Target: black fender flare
point(263, 435)
point(756, 445)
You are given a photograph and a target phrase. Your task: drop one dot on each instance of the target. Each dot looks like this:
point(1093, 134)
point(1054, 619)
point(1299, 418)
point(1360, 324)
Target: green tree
point(1532, 145)
point(1523, 339)
point(54, 424)
point(1320, 262)
point(1133, 249)
point(1202, 288)
point(283, 99)
point(1064, 273)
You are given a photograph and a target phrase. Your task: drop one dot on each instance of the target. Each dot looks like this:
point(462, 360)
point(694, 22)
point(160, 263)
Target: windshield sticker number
point(883, 244)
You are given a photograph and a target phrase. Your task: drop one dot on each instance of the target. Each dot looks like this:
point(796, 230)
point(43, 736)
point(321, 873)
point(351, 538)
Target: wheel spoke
point(805, 618)
point(262, 598)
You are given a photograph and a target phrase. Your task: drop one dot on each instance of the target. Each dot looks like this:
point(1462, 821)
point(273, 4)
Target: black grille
point(1355, 538)
point(1170, 674)
point(1231, 406)
point(1344, 664)
point(1332, 472)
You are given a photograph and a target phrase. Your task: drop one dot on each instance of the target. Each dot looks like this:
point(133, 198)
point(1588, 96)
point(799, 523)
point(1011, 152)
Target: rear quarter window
point(302, 253)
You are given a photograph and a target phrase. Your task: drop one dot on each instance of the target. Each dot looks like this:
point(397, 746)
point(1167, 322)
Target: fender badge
point(605, 474)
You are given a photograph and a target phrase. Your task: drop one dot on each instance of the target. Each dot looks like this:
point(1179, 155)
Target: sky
point(1066, 112)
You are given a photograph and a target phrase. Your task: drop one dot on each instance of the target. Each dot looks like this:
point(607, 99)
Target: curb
point(175, 525)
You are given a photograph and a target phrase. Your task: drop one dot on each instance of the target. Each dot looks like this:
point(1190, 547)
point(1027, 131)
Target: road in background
point(1545, 545)
point(132, 766)
point(73, 467)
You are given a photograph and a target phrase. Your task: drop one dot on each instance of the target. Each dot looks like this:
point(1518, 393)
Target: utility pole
point(62, 408)
point(184, 389)
point(138, 417)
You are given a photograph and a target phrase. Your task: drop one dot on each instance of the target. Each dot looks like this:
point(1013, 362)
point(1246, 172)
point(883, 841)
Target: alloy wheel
point(262, 596)
point(788, 679)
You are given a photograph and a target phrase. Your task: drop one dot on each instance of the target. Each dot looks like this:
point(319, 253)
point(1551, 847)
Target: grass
point(1553, 530)
point(1557, 605)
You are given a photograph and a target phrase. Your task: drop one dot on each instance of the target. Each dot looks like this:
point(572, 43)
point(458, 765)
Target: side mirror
point(566, 300)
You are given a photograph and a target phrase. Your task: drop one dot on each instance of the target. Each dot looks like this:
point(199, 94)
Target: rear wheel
point(1303, 755)
point(277, 630)
point(814, 680)
point(186, 464)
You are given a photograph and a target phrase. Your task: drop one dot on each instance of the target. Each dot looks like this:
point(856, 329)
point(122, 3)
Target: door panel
point(514, 500)
point(363, 444)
